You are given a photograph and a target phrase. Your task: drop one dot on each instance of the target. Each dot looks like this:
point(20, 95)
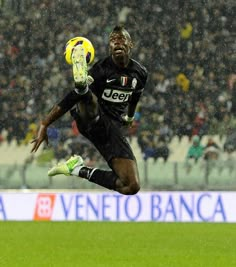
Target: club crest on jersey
point(124, 80)
point(134, 83)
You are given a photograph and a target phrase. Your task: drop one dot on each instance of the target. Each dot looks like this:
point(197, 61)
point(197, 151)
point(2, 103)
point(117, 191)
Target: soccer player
point(103, 103)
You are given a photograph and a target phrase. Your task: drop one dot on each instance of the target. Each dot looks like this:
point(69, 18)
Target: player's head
point(120, 44)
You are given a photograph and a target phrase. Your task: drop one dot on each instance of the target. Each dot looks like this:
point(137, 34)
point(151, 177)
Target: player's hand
point(42, 136)
point(128, 121)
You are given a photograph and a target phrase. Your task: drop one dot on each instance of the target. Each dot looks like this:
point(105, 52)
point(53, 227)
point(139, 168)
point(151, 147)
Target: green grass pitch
point(95, 244)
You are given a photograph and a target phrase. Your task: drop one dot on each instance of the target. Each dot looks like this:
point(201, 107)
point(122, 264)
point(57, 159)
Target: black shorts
point(108, 136)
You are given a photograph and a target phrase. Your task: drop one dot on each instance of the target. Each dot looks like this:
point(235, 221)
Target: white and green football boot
point(67, 167)
point(80, 66)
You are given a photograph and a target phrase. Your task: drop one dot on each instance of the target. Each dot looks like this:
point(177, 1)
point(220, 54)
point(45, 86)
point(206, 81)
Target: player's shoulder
point(140, 68)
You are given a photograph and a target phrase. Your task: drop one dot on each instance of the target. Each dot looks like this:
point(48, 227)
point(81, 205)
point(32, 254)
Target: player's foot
point(80, 67)
point(67, 167)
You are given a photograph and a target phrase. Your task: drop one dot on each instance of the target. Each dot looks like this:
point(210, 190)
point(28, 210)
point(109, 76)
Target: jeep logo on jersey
point(117, 96)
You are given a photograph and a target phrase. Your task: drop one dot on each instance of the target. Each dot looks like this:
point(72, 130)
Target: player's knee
point(134, 187)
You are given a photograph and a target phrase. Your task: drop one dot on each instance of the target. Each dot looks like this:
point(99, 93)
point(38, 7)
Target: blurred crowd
point(187, 47)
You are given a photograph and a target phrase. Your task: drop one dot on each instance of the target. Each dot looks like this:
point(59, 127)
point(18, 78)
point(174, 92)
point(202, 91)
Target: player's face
point(120, 45)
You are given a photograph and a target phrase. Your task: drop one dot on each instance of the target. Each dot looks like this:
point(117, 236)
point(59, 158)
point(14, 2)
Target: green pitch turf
point(95, 244)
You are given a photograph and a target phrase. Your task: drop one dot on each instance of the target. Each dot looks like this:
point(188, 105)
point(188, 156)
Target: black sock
point(103, 178)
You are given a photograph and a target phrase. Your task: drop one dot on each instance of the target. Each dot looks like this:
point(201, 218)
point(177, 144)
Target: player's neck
point(121, 62)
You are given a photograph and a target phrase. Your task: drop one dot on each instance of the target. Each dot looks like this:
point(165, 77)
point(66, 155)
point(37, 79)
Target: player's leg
point(127, 181)
point(113, 146)
point(108, 137)
point(123, 178)
point(88, 105)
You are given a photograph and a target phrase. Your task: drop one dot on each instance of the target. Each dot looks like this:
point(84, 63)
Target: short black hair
point(120, 28)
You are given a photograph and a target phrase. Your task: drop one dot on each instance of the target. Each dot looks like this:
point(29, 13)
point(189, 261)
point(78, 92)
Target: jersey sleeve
point(143, 78)
point(139, 90)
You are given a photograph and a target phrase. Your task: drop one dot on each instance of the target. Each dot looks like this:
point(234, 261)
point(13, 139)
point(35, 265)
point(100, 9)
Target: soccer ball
point(88, 46)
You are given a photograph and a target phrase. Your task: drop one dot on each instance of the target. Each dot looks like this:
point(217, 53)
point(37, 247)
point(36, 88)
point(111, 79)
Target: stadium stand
point(189, 53)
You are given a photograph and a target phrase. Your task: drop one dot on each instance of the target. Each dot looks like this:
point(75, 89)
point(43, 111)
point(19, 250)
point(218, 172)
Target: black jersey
point(115, 87)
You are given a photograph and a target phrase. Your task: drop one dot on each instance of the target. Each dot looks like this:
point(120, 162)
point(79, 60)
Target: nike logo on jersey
point(110, 80)
point(116, 96)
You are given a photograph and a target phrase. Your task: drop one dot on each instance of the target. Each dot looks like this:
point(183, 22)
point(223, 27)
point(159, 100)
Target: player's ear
point(131, 44)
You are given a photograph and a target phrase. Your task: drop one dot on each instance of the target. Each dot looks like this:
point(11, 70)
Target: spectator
point(230, 142)
point(211, 150)
point(196, 150)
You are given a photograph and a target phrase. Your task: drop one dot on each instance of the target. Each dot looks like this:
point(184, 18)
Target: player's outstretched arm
point(41, 136)
point(54, 114)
